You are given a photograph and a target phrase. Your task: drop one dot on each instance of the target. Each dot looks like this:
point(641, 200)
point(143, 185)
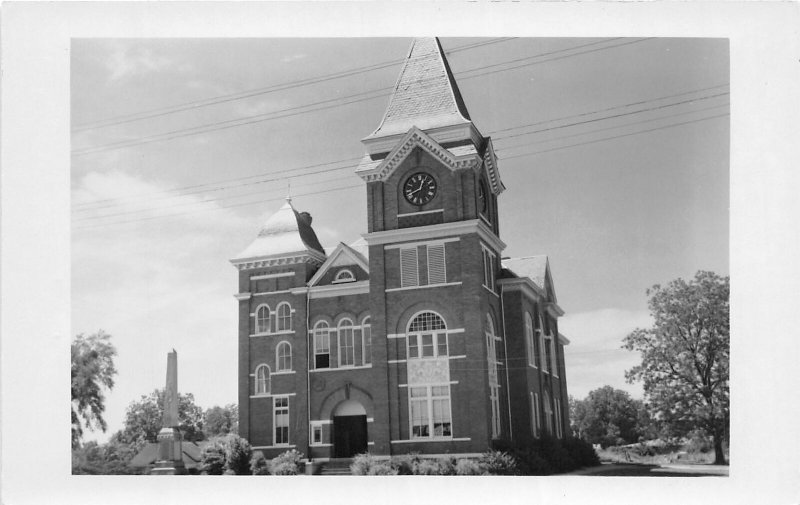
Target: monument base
point(170, 453)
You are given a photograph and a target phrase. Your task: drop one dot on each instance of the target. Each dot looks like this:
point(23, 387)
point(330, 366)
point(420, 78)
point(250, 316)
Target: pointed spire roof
point(426, 94)
point(286, 232)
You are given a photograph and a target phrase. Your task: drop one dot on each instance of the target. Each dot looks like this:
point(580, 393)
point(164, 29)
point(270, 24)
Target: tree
point(221, 420)
point(686, 357)
point(607, 416)
point(92, 372)
point(143, 419)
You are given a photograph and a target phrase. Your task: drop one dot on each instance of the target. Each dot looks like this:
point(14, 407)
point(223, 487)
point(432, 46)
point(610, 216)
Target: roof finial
point(289, 191)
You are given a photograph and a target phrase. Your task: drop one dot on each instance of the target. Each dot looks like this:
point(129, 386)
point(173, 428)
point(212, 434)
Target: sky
point(614, 153)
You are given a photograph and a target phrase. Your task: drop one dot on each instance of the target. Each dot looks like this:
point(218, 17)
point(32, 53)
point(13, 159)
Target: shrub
point(402, 465)
point(468, 467)
point(212, 461)
point(237, 455)
point(447, 466)
point(499, 463)
point(550, 449)
point(581, 452)
point(427, 467)
point(259, 464)
point(287, 463)
point(367, 464)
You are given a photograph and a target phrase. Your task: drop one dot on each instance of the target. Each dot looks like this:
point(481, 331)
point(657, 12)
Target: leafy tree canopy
point(92, 372)
point(143, 419)
point(607, 416)
point(686, 356)
point(221, 420)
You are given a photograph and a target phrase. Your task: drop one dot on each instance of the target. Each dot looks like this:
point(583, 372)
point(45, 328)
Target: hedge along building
point(416, 338)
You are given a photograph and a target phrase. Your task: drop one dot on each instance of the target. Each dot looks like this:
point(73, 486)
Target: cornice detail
point(250, 263)
point(490, 162)
point(417, 138)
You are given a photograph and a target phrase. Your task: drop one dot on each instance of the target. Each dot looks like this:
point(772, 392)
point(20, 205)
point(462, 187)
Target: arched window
point(344, 275)
point(540, 351)
point(366, 341)
point(346, 343)
point(427, 336)
point(322, 345)
point(491, 358)
point(530, 345)
point(262, 380)
point(262, 319)
point(284, 317)
point(284, 354)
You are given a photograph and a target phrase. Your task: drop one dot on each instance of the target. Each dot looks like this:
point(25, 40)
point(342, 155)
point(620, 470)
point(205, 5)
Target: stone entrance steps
point(337, 466)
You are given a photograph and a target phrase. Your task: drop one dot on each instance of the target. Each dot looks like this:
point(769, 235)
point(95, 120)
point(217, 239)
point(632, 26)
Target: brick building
point(418, 337)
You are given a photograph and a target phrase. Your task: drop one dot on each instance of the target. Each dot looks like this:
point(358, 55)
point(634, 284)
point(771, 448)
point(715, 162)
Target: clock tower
point(434, 257)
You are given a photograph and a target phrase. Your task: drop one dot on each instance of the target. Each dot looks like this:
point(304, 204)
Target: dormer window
point(344, 275)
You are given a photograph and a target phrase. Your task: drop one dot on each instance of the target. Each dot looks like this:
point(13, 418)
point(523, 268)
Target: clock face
point(420, 188)
point(482, 200)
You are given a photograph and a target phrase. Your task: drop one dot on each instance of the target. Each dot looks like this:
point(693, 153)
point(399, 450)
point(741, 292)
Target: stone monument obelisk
point(170, 452)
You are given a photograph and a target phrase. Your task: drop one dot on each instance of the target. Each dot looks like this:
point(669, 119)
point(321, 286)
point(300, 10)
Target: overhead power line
point(261, 200)
point(203, 188)
point(323, 105)
point(241, 95)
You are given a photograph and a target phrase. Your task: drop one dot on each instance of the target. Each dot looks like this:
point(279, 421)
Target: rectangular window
point(430, 411)
point(495, 399)
point(281, 417)
point(554, 350)
point(346, 347)
point(559, 434)
point(548, 342)
point(409, 267)
point(316, 434)
point(437, 273)
point(537, 423)
point(322, 348)
point(488, 269)
point(427, 345)
point(366, 344)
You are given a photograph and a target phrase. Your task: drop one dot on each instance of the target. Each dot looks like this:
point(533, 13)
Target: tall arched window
point(366, 341)
point(540, 342)
point(427, 336)
point(530, 345)
point(548, 413)
point(322, 345)
point(262, 380)
point(491, 358)
point(284, 317)
point(346, 343)
point(284, 354)
point(262, 319)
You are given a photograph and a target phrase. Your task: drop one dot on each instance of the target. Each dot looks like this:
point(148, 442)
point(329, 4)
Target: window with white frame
point(284, 354)
point(430, 411)
point(284, 317)
point(491, 358)
point(344, 275)
point(316, 434)
point(262, 380)
point(263, 319)
point(540, 341)
point(281, 420)
point(548, 352)
point(559, 434)
point(410, 268)
point(535, 414)
point(530, 343)
point(346, 343)
point(322, 345)
point(548, 413)
point(366, 341)
point(427, 336)
point(488, 268)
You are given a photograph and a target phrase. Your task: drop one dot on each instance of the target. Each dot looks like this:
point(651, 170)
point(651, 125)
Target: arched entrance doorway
point(349, 429)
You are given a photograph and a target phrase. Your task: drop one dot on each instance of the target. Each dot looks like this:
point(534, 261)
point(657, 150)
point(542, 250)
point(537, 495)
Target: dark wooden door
point(349, 436)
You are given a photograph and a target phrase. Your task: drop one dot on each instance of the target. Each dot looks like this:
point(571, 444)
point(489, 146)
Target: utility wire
point(194, 104)
point(294, 111)
point(261, 201)
point(499, 139)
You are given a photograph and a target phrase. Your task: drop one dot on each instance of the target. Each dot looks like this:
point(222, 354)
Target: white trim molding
point(310, 256)
point(431, 439)
point(271, 276)
point(344, 289)
point(420, 213)
point(425, 286)
point(279, 446)
point(243, 296)
point(417, 244)
point(436, 231)
point(562, 339)
point(340, 369)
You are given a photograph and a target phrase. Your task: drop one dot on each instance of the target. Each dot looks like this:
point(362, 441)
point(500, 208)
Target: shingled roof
point(285, 232)
point(426, 95)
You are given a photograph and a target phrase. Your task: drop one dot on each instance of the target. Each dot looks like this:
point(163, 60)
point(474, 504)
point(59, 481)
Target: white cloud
point(126, 61)
point(594, 356)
